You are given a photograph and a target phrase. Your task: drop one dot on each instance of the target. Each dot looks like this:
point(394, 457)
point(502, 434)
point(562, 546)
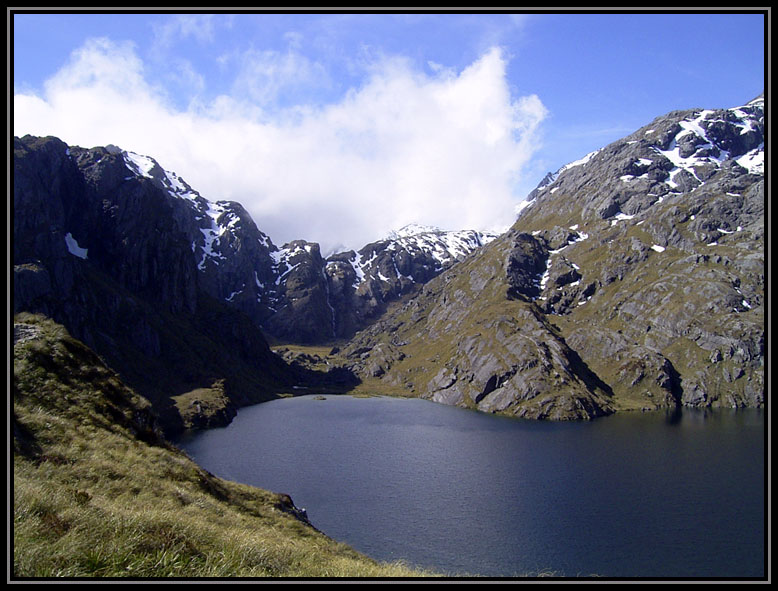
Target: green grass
point(98, 493)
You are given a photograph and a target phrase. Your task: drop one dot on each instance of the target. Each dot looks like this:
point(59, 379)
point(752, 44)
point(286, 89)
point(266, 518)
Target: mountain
point(291, 292)
point(153, 276)
point(320, 300)
point(134, 263)
point(633, 279)
point(297, 295)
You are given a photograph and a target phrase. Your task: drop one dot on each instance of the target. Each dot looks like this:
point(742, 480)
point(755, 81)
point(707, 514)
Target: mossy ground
point(99, 494)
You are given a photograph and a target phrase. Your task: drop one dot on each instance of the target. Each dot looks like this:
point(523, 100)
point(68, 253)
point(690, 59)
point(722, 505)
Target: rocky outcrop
point(525, 264)
point(302, 312)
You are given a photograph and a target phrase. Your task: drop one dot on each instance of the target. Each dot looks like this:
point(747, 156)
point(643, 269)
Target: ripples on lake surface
point(632, 495)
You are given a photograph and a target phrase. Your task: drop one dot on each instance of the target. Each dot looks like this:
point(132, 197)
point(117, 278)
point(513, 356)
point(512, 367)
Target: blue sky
point(337, 128)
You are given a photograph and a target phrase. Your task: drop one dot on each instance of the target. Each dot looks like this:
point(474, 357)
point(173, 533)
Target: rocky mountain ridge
point(316, 299)
point(117, 251)
point(291, 292)
point(633, 279)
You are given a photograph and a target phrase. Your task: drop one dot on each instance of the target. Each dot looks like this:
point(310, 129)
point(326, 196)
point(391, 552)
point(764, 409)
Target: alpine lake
point(658, 495)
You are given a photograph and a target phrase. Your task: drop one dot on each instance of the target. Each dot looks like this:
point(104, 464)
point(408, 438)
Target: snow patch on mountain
point(708, 149)
point(282, 261)
point(74, 248)
point(753, 161)
point(445, 247)
point(147, 167)
point(140, 165)
point(620, 217)
point(579, 162)
point(551, 177)
point(220, 220)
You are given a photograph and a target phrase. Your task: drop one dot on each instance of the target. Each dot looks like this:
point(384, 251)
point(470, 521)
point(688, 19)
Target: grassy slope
point(97, 493)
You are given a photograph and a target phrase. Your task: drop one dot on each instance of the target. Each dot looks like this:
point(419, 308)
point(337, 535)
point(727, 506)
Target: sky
point(338, 128)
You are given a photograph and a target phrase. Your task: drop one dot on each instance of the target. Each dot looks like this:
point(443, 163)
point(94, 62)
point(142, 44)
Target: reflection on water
point(673, 416)
point(666, 494)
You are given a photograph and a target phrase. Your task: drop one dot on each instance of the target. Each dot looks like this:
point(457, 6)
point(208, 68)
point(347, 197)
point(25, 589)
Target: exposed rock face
point(303, 310)
point(669, 282)
point(633, 280)
point(108, 245)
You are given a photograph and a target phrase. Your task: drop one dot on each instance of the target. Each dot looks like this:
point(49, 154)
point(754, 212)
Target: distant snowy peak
point(445, 247)
point(412, 230)
point(457, 243)
point(413, 255)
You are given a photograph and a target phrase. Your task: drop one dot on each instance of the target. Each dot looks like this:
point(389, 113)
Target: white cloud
point(406, 146)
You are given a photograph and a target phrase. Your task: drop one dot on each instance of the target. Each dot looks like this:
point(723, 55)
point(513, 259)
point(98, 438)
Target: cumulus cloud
point(443, 149)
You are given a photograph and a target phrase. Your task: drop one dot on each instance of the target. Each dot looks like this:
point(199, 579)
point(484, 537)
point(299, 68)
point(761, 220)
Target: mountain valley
point(631, 279)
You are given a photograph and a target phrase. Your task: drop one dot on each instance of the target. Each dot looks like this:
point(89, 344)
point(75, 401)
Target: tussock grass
point(98, 493)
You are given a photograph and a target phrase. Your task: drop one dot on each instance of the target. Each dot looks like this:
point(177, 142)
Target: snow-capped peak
point(412, 230)
point(215, 218)
point(147, 167)
point(140, 165)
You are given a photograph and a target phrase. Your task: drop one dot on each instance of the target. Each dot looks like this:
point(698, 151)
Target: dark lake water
point(646, 495)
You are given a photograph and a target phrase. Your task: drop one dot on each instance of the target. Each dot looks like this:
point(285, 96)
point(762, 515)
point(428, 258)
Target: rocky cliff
point(633, 278)
point(124, 255)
